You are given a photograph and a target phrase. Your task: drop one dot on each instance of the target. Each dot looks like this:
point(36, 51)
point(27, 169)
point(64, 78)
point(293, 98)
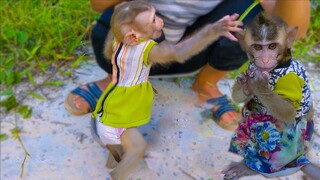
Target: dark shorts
point(222, 54)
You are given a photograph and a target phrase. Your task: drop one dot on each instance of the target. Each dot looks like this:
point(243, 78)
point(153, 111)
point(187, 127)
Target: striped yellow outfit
point(127, 101)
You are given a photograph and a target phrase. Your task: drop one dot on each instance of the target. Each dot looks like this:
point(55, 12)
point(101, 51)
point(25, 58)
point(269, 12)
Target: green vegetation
point(37, 39)
point(308, 48)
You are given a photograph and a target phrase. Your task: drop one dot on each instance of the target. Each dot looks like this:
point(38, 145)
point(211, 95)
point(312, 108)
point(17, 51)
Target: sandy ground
point(184, 142)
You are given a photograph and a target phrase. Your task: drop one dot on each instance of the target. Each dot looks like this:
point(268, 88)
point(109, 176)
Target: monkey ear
point(291, 34)
point(131, 38)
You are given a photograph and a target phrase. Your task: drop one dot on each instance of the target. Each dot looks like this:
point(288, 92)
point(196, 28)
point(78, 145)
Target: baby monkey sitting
point(276, 126)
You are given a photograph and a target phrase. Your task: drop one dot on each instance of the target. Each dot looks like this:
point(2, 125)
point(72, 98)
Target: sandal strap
point(223, 109)
point(87, 96)
point(94, 90)
point(219, 100)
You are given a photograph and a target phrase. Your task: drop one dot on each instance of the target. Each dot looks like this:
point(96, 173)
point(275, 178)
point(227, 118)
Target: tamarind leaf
point(3, 137)
point(37, 96)
point(15, 133)
point(62, 57)
point(9, 103)
point(7, 92)
point(54, 83)
point(25, 111)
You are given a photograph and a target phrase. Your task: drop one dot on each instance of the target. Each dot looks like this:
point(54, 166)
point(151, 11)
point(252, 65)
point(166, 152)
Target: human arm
point(167, 51)
point(294, 13)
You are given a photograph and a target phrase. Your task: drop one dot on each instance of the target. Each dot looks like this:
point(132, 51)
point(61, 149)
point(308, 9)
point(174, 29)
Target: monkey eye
point(257, 47)
point(273, 46)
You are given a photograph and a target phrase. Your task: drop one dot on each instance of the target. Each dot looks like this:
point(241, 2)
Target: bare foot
point(236, 170)
point(82, 104)
point(312, 171)
point(111, 162)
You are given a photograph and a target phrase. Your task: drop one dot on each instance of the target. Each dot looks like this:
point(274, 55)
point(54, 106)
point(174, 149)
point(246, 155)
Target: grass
point(36, 34)
point(37, 39)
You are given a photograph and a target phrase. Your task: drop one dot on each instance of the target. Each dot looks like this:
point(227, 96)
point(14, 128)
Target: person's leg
point(134, 147)
point(216, 61)
point(76, 104)
point(223, 56)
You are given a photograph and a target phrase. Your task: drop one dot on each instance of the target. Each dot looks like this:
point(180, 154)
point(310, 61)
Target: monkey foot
point(111, 162)
point(236, 170)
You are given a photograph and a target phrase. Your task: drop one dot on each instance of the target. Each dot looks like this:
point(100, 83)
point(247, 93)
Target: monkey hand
point(226, 25)
point(259, 83)
point(242, 81)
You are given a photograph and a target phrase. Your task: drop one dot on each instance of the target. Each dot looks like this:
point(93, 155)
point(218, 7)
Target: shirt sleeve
point(147, 50)
point(244, 67)
point(290, 88)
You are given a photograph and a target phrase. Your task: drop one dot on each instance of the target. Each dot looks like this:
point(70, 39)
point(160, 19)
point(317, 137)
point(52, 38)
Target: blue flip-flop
point(224, 106)
point(90, 96)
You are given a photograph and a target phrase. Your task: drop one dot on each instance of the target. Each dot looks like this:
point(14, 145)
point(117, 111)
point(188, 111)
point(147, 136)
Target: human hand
point(226, 25)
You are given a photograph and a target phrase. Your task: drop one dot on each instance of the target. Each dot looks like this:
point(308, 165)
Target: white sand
point(184, 143)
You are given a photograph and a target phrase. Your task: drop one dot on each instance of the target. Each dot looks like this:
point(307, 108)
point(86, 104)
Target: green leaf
point(76, 62)
point(22, 37)
point(3, 137)
point(31, 79)
point(9, 103)
point(8, 32)
point(6, 92)
point(9, 77)
point(15, 132)
point(2, 77)
point(35, 50)
point(25, 111)
point(8, 61)
point(177, 81)
point(36, 95)
point(54, 83)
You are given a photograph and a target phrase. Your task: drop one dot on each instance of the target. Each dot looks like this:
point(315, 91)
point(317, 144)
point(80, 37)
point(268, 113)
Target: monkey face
point(149, 24)
point(265, 55)
point(265, 50)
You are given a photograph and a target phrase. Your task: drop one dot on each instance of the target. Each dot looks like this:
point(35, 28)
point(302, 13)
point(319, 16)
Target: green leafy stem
point(247, 11)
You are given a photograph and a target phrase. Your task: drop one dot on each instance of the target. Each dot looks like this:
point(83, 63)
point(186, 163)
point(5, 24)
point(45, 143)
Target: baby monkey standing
point(126, 103)
point(276, 124)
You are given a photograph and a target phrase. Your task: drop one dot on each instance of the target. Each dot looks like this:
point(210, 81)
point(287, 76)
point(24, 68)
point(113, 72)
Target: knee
point(140, 149)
